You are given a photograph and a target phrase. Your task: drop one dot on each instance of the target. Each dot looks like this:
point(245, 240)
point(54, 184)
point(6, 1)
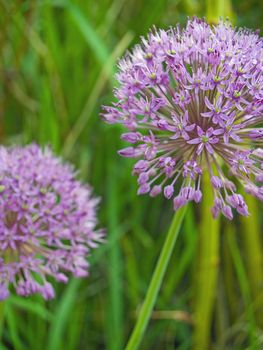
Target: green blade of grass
point(30, 306)
point(105, 74)
point(12, 328)
point(93, 40)
point(61, 316)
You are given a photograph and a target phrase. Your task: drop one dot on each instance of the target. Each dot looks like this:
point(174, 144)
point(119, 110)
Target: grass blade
point(61, 316)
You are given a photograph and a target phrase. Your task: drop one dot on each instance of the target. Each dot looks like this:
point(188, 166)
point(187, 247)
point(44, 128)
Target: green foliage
point(57, 68)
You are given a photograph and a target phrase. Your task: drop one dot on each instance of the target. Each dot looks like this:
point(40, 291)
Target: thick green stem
point(156, 281)
point(214, 10)
point(252, 244)
point(208, 238)
point(207, 270)
point(244, 285)
point(115, 305)
point(2, 312)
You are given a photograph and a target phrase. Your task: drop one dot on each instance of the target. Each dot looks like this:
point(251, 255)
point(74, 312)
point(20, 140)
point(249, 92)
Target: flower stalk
point(207, 271)
point(2, 317)
point(252, 246)
point(156, 281)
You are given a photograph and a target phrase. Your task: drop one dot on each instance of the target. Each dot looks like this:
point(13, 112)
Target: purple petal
point(194, 141)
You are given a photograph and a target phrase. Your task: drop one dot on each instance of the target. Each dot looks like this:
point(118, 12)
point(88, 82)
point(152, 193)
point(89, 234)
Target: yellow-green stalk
point(207, 271)
point(252, 245)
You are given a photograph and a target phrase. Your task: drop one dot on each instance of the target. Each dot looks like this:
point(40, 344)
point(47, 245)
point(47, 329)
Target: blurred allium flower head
point(47, 221)
point(191, 100)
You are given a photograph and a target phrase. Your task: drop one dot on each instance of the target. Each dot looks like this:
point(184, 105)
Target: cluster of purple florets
point(47, 221)
point(191, 100)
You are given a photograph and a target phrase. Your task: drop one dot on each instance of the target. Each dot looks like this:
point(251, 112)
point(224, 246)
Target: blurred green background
point(57, 69)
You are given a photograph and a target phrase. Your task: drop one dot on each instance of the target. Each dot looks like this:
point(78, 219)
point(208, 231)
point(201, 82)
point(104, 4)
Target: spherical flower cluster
point(47, 221)
point(191, 100)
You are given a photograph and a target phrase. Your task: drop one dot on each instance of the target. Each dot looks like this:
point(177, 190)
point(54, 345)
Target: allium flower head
point(47, 221)
point(191, 100)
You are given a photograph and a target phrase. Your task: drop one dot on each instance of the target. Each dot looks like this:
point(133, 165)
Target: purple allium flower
point(192, 101)
point(47, 221)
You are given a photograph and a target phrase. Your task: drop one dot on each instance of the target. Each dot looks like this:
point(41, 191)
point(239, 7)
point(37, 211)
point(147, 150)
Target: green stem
point(156, 281)
point(252, 244)
point(115, 304)
point(214, 10)
point(244, 285)
point(2, 317)
point(207, 270)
